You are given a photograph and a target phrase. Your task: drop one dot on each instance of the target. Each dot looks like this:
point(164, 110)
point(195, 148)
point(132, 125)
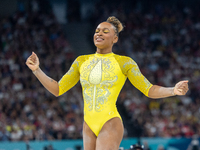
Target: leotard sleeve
point(70, 78)
point(132, 71)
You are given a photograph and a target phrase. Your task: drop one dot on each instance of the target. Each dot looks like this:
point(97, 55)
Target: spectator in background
point(146, 145)
point(194, 145)
point(161, 147)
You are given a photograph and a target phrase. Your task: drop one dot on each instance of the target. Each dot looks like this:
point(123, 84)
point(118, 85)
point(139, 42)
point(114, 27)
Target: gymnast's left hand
point(181, 88)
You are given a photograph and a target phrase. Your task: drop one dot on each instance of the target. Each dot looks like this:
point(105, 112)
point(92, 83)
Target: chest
point(99, 70)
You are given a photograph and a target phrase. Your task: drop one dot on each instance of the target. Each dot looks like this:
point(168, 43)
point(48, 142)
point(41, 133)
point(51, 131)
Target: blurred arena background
point(163, 37)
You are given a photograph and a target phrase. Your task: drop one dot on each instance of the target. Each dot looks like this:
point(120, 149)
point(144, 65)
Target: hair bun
point(116, 23)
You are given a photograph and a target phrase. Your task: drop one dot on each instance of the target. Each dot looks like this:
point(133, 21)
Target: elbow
point(152, 92)
point(153, 97)
point(56, 94)
point(150, 96)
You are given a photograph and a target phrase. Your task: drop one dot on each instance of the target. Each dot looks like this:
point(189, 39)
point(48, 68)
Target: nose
point(99, 33)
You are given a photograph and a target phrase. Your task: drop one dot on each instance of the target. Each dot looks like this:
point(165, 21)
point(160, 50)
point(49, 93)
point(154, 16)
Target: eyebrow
point(102, 29)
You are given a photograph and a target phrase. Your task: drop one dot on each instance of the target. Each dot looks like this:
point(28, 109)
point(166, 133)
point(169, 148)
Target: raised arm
point(51, 85)
point(180, 88)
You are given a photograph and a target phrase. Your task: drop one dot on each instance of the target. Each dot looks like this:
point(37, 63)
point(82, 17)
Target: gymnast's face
point(105, 36)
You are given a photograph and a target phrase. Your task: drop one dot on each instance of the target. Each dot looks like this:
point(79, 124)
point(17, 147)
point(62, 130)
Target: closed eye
point(104, 31)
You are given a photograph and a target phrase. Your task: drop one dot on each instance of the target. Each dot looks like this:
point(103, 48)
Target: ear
point(115, 39)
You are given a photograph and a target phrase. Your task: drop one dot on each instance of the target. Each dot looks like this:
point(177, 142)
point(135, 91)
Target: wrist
point(173, 94)
point(35, 71)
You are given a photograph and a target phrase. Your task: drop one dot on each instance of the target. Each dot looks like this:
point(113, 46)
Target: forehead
point(105, 25)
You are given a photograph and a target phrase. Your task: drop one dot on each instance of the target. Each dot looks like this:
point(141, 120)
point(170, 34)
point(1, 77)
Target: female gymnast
point(102, 76)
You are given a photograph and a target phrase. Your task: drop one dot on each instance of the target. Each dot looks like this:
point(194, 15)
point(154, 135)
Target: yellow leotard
point(102, 77)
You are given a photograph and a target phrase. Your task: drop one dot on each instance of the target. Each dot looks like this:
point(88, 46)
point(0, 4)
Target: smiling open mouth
point(99, 39)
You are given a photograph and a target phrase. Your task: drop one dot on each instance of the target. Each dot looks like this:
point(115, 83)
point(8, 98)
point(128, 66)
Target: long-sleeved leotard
point(102, 77)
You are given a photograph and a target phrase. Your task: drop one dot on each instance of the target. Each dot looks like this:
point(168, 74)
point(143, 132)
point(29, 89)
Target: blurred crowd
point(164, 42)
point(27, 110)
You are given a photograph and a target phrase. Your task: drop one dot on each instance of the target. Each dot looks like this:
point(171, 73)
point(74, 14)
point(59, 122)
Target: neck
point(104, 51)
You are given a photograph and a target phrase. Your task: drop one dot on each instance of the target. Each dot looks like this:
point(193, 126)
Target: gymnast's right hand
point(33, 62)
